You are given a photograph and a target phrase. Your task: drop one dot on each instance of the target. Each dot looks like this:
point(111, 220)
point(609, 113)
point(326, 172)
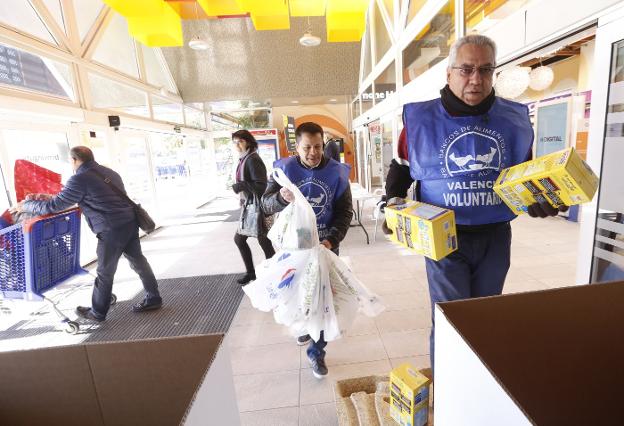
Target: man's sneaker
point(247, 278)
point(303, 340)
point(148, 304)
point(85, 312)
point(319, 369)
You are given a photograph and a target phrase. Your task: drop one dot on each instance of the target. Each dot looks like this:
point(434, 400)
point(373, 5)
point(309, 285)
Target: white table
point(360, 195)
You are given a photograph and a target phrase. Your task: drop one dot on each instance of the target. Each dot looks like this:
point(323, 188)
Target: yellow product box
point(409, 396)
point(561, 178)
point(426, 229)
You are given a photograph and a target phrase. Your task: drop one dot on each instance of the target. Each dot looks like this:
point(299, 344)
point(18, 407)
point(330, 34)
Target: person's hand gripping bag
point(295, 226)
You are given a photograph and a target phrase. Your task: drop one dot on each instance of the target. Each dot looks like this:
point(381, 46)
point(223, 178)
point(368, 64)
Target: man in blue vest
point(455, 147)
point(325, 184)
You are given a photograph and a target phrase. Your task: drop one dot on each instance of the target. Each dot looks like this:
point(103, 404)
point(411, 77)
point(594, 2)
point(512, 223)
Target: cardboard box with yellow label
point(426, 229)
point(409, 396)
point(560, 179)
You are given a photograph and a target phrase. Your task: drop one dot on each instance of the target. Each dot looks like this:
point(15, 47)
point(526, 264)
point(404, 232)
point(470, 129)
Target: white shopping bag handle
point(280, 177)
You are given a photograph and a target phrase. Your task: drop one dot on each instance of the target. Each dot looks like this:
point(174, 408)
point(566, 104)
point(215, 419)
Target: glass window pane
point(46, 149)
point(387, 147)
point(86, 15)
point(26, 70)
point(116, 48)
point(20, 15)
point(368, 62)
point(414, 8)
point(194, 118)
point(382, 37)
point(385, 84)
point(155, 69)
point(166, 110)
point(390, 9)
point(479, 16)
point(55, 8)
point(430, 46)
point(608, 262)
point(367, 99)
point(109, 94)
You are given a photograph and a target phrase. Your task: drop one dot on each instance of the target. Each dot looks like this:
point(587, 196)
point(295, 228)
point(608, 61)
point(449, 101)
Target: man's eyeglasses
point(467, 71)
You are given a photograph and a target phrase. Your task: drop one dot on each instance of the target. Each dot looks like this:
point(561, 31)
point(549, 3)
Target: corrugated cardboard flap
point(558, 353)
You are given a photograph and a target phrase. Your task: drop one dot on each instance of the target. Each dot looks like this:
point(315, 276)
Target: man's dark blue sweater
point(102, 207)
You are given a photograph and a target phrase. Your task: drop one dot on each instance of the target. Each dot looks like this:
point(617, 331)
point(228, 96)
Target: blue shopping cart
point(39, 254)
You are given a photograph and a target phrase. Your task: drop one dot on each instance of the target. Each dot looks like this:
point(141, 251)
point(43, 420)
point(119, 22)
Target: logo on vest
point(317, 193)
point(472, 150)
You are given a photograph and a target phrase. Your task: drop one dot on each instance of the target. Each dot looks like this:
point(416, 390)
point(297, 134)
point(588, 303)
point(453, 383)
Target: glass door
point(608, 255)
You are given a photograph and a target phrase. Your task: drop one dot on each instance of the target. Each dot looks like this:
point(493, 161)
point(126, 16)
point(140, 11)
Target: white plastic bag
point(295, 226)
point(308, 288)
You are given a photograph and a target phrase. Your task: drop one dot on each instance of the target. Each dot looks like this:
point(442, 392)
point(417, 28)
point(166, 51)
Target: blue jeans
point(111, 245)
point(477, 269)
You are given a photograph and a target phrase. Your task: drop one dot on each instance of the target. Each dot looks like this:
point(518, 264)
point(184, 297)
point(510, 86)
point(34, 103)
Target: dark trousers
point(111, 245)
point(317, 348)
point(477, 269)
point(245, 251)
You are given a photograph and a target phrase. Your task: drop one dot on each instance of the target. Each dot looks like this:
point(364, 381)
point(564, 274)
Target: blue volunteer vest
point(321, 187)
point(457, 159)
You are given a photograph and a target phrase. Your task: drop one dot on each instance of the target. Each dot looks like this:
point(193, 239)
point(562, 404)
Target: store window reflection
point(368, 99)
point(385, 84)
point(183, 173)
point(414, 8)
point(480, 16)
point(46, 149)
point(608, 262)
point(135, 171)
point(431, 45)
point(382, 35)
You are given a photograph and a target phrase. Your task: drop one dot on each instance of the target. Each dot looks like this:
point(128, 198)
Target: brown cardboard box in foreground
point(169, 381)
point(551, 357)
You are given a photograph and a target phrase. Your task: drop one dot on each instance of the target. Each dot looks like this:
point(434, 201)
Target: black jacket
point(102, 207)
point(251, 188)
point(272, 202)
point(254, 177)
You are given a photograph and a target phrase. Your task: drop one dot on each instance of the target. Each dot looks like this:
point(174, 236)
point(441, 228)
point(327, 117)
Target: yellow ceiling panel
point(275, 22)
point(345, 27)
point(221, 7)
point(137, 8)
point(307, 7)
point(164, 29)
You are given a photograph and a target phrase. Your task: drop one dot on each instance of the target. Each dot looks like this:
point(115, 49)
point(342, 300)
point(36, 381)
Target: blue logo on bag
point(472, 152)
point(287, 278)
point(283, 256)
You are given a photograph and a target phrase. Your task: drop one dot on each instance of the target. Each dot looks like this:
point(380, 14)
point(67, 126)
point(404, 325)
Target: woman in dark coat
point(251, 182)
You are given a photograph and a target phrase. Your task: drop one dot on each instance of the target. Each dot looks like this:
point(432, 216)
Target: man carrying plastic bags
point(306, 285)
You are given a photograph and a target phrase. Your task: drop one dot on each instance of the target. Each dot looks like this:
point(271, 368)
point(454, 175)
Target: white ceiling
point(243, 63)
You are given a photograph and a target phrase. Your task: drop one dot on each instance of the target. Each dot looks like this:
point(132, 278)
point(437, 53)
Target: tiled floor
point(273, 380)
point(275, 387)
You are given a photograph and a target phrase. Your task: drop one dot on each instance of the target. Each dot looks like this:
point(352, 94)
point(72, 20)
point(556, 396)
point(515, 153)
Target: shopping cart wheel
point(72, 327)
point(113, 299)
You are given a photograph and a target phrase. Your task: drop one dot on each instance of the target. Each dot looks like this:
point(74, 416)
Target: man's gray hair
point(478, 39)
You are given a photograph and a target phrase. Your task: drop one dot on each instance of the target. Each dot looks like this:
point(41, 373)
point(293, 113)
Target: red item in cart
point(31, 178)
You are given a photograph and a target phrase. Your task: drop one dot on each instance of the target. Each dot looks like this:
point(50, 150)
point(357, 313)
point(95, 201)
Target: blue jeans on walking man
point(122, 240)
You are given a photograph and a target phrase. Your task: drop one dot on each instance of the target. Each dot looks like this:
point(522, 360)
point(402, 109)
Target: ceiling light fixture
point(294, 102)
point(196, 42)
point(333, 100)
point(541, 77)
point(309, 40)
